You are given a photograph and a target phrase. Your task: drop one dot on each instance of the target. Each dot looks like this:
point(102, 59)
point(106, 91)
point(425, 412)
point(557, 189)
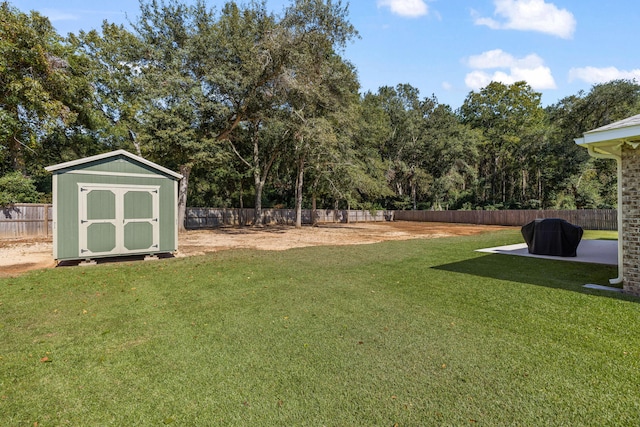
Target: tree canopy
point(257, 108)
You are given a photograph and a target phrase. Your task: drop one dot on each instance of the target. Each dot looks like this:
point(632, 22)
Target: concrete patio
point(590, 251)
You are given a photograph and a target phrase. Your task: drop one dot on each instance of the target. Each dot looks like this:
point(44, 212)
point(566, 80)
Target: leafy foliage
point(43, 90)
point(257, 108)
point(16, 188)
point(510, 117)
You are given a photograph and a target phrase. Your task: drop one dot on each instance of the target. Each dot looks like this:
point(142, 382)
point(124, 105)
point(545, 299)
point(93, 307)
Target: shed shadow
point(115, 260)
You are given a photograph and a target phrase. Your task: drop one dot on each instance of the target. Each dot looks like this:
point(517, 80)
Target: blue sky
point(451, 47)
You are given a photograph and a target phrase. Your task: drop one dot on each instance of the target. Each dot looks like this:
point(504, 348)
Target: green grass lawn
point(600, 234)
point(413, 333)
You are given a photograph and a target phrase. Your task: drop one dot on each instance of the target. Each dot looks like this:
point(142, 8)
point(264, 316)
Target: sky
point(449, 48)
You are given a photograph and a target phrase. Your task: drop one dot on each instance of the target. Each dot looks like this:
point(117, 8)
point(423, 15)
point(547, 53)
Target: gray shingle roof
point(629, 121)
point(73, 163)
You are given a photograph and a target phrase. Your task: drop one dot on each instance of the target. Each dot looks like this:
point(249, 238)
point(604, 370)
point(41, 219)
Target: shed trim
point(119, 186)
point(118, 220)
point(55, 216)
point(103, 156)
point(127, 174)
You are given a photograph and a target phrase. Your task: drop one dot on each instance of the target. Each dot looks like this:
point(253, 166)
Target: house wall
point(631, 219)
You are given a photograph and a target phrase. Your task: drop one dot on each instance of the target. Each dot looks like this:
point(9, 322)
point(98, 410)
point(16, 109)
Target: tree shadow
point(556, 274)
point(269, 228)
point(7, 209)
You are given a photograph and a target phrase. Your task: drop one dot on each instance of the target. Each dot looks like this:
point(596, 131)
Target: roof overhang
point(608, 140)
point(74, 163)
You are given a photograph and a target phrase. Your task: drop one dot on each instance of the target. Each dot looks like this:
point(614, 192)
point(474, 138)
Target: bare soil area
point(21, 255)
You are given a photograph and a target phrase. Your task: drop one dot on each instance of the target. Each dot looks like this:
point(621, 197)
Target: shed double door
point(118, 220)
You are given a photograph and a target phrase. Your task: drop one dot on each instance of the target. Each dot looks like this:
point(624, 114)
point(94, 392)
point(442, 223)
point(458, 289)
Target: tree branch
point(242, 159)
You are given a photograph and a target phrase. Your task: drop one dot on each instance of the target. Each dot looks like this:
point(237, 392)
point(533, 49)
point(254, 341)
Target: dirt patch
point(21, 255)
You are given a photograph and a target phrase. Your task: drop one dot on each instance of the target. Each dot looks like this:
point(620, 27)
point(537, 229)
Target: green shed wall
point(113, 171)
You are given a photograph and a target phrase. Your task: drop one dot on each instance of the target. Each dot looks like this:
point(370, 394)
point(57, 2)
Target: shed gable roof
point(113, 154)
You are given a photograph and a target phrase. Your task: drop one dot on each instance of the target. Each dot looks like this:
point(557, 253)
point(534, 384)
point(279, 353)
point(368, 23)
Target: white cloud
point(477, 79)
point(55, 15)
point(498, 58)
point(595, 75)
point(531, 15)
point(508, 70)
point(447, 86)
point(407, 8)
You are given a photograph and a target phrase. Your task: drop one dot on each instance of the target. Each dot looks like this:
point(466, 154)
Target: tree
point(150, 85)
point(17, 188)
point(116, 59)
point(452, 158)
point(511, 119)
point(321, 93)
point(570, 174)
point(349, 171)
point(401, 141)
point(182, 125)
point(372, 133)
point(243, 70)
point(43, 90)
point(269, 64)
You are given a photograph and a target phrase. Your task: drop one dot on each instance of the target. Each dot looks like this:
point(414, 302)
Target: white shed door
point(115, 220)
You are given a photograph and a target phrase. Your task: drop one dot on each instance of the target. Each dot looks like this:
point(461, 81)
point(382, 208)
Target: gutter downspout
point(618, 160)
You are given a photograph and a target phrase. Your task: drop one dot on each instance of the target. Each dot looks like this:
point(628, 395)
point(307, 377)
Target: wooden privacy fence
point(589, 219)
point(24, 220)
point(213, 217)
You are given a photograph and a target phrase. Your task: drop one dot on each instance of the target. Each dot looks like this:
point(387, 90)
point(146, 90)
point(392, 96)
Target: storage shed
point(113, 204)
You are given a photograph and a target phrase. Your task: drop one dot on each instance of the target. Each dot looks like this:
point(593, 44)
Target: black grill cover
point(552, 236)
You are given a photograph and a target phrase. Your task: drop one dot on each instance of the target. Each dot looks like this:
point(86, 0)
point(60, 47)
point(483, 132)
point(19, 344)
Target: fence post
point(46, 220)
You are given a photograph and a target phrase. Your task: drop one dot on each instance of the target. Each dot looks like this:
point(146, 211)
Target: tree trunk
point(185, 170)
point(540, 185)
point(259, 186)
point(314, 217)
point(260, 173)
point(241, 213)
point(17, 156)
point(504, 187)
point(414, 196)
point(257, 179)
point(348, 210)
point(134, 140)
point(299, 181)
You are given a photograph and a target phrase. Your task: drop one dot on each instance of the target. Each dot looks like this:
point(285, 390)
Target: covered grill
point(552, 236)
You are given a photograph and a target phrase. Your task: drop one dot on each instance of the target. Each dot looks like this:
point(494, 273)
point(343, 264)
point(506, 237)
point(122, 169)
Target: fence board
point(589, 219)
point(215, 217)
point(24, 220)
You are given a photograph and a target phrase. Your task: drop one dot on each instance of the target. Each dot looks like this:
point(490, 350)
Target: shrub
point(17, 188)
